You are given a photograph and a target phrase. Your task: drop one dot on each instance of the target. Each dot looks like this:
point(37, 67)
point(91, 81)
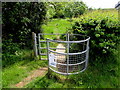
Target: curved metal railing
point(70, 60)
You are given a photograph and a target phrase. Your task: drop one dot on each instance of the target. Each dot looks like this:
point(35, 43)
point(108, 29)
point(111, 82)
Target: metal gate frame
point(68, 42)
point(45, 41)
point(38, 49)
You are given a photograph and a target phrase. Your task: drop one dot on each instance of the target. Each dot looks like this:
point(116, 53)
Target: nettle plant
point(104, 30)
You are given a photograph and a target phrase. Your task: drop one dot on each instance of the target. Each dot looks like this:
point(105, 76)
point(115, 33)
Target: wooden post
point(34, 44)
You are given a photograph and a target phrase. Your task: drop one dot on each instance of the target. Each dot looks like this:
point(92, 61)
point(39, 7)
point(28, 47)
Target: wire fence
point(66, 53)
point(73, 59)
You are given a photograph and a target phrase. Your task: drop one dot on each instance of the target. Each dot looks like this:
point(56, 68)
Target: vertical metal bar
point(87, 53)
point(66, 37)
point(39, 48)
point(36, 49)
point(47, 43)
point(84, 44)
point(67, 54)
point(35, 44)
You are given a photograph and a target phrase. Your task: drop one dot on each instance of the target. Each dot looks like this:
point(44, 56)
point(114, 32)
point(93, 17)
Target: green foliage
point(23, 66)
point(100, 75)
point(8, 52)
point(65, 9)
point(20, 19)
point(43, 82)
point(9, 47)
point(55, 9)
point(12, 55)
point(57, 26)
point(74, 9)
point(50, 10)
point(59, 9)
point(103, 28)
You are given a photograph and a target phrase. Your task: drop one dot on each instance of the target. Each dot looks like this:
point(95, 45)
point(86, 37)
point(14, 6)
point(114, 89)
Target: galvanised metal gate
point(42, 46)
point(73, 59)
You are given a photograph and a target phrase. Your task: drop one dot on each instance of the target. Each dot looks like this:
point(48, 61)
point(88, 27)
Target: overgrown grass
point(98, 75)
point(18, 71)
point(23, 62)
point(60, 26)
point(55, 26)
point(101, 75)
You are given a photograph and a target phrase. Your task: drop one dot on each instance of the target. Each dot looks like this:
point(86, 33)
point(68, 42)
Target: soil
point(42, 71)
point(36, 73)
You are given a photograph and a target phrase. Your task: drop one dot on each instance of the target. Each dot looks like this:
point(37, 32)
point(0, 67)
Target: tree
point(65, 9)
point(58, 9)
point(74, 9)
point(20, 19)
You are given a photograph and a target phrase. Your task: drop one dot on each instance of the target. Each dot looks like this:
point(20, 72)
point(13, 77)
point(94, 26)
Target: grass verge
point(21, 69)
point(101, 75)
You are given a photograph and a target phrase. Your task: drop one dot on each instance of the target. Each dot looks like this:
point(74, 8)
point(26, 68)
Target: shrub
point(103, 28)
point(9, 47)
point(65, 9)
point(20, 19)
point(74, 9)
point(8, 52)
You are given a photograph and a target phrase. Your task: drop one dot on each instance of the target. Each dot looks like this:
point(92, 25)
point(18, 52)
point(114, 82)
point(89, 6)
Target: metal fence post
point(67, 54)
point(69, 65)
point(47, 44)
point(39, 46)
point(87, 53)
point(34, 44)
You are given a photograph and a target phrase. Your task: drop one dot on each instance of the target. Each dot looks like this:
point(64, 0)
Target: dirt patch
point(60, 50)
point(36, 73)
point(60, 58)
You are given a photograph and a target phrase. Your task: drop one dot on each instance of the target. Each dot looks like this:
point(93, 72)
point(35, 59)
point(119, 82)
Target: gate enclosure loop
point(72, 58)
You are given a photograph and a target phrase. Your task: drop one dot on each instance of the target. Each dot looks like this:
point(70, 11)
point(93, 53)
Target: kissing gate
point(65, 53)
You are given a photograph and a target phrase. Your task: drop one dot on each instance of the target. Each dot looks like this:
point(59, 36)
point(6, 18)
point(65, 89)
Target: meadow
point(98, 75)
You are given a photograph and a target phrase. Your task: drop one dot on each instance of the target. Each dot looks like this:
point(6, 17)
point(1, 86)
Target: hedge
point(104, 30)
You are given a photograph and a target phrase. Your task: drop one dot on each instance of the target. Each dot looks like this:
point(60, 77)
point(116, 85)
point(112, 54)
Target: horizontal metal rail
point(44, 59)
point(51, 34)
point(70, 53)
point(42, 41)
point(67, 73)
point(49, 40)
point(43, 54)
point(62, 34)
point(52, 48)
point(72, 64)
point(79, 61)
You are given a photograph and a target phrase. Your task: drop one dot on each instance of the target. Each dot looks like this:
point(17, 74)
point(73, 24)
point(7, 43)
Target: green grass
point(101, 75)
point(60, 26)
point(57, 26)
point(19, 70)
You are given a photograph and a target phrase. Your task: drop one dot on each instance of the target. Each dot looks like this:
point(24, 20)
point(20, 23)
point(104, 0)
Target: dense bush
point(75, 9)
point(65, 9)
point(20, 19)
point(104, 30)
